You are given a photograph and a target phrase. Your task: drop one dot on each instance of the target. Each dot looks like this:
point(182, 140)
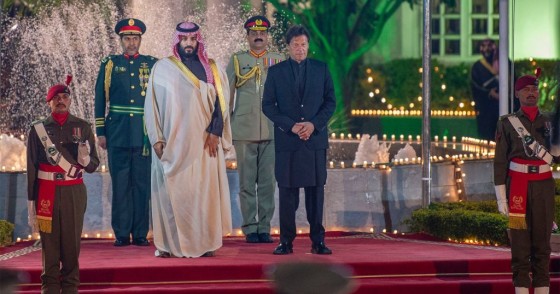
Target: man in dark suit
point(299, 99)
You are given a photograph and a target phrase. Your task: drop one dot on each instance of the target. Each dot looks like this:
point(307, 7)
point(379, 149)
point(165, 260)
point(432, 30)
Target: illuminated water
point(72, 39)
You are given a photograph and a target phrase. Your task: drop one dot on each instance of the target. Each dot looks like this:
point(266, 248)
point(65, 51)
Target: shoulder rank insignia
point(104, 60)
point(40, 120)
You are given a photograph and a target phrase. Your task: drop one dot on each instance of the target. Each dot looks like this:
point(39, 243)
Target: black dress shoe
point(320, 248)
point(265, 238)
point(283, 249)
point(252, 238)
point(120, 242)
point(208, 254)
point(141, 242)
point(162, 254)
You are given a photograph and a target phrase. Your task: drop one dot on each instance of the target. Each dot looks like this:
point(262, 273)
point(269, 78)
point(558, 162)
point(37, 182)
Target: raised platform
point(380, 263)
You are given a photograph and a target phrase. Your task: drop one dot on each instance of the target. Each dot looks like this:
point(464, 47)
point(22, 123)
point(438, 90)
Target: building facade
point(534, 29)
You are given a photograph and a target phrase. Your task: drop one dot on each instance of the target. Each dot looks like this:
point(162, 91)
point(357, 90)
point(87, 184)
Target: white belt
point(53, 176)
point(529, 169)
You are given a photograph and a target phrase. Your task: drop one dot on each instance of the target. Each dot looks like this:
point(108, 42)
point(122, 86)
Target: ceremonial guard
point(253, 132)
point(121, 87)
point(525, 188)
point(59, 149)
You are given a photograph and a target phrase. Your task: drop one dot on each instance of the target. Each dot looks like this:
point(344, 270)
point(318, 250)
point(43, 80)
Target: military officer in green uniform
point(253, 133)
point(121, 87)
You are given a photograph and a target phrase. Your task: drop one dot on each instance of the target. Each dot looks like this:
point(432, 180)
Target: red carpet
point(380, 264)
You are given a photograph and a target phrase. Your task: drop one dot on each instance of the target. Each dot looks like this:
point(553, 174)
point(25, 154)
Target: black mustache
point(258, 40)
point(189, 47)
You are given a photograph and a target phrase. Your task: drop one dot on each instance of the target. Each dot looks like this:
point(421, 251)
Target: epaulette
point(82, 120)
point(277, 54)
point(104, 60)
point(40, 120)
point(150, 57)
point(506, 116)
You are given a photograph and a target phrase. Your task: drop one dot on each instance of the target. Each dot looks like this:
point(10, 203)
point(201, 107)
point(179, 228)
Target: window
point(446, 29)
point(457, 30)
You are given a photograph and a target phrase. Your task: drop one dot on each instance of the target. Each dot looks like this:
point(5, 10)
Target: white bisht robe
point(191, 208)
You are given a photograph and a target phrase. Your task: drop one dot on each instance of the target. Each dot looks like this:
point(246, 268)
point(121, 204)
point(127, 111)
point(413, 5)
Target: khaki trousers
point(61, 248)
point(255, 166)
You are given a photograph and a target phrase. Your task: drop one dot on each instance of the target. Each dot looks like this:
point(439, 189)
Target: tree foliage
point(341, 33)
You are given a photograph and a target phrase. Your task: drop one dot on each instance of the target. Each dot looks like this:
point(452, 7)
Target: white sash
point(539, 150)
point(53, 154)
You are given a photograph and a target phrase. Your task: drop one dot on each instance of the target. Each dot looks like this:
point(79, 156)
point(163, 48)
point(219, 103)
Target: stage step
point(417, 285)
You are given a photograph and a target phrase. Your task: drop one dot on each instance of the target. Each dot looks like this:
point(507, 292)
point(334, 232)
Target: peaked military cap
point(257, 23)
point(130, 26)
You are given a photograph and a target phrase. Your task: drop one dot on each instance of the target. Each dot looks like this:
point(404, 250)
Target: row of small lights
point(459, 176)
point(4, 169)
point(349, 136)
point(237, 233)
point(383, 100)
point(412, 161)
point(276, 232)
point(412, 112)
point(393, 137)
point(38, 237)
point(473, 242)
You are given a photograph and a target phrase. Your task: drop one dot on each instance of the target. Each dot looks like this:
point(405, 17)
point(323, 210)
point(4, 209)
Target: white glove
point(502, 200)
point(32, 217)
point(83, 154)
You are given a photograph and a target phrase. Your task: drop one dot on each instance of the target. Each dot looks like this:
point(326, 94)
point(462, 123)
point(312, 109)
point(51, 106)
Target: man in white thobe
point(187, 120)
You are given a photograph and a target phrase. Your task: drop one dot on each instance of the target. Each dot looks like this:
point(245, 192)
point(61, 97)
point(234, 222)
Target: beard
point(489, 56)
point(184, 53)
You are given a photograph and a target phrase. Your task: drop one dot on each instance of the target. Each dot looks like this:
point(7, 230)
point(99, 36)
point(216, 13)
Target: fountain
point(370, 150)
point(72, 39)
point(12, 153)
point(371, 197)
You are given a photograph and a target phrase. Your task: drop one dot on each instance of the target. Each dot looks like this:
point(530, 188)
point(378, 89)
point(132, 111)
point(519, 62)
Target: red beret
point(59, 88)
point(528, 80)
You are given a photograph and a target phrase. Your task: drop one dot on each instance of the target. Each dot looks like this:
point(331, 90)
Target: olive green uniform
point(530, 248)
point(253, 138)
point(62, 245)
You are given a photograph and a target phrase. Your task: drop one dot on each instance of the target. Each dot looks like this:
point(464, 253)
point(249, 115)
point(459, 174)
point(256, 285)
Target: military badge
point(268, 62)
point(120, 69)
point(144, 76)
point(131, 22)
point(45, 206)
point(517, 202)
point(76, 135)
point(51, 150)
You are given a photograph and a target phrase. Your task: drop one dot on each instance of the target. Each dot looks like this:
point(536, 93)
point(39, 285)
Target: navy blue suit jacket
point(284, 107)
